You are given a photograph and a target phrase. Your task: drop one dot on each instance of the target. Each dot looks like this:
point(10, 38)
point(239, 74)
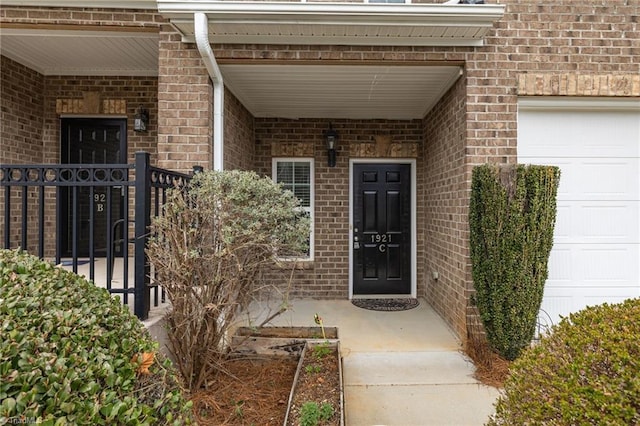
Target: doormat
point(402, 304)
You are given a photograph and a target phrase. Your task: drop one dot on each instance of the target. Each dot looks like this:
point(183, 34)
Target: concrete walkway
point(400, 368)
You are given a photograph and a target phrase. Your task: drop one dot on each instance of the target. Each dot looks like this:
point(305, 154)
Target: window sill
point(298, 264)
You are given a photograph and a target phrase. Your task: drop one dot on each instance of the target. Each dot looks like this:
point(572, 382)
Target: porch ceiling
point(312, 89)
point(61, 50)
point(339, 91)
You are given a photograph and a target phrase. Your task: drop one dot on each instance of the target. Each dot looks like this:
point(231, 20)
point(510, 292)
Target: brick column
point(185, 106)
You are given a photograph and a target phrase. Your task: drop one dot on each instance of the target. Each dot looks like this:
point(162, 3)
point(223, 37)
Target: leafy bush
point(66, 350)
point(209, 250)
point(586, 372)
point(312, 414)
point(512, 217)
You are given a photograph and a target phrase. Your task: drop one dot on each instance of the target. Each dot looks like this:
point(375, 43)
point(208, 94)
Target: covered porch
point(227, 87)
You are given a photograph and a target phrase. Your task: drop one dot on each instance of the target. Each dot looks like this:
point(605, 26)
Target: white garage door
point(596, 144)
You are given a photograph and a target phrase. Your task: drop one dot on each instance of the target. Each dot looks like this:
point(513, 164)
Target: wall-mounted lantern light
point(141, 120)
point(331, 136)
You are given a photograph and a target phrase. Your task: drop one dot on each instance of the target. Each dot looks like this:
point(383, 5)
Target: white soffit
point(81, 52)
point(335, 23)
point(339, 91)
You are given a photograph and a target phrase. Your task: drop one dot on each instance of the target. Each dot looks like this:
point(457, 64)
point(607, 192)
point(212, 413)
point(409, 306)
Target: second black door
point(91, 141)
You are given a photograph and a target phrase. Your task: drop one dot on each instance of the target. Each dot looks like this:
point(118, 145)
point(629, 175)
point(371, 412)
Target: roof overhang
point(335, 23)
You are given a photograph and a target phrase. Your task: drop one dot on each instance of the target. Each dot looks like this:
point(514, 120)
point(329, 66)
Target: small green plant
point(238, 410)
point(312, 369)
point(311, 413)
point(321, 350)
point(585, 372)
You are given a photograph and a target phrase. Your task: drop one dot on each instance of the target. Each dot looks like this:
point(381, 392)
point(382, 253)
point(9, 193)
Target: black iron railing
point(79, 213)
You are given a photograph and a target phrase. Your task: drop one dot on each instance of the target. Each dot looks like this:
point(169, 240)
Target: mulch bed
point(491, 368)
point(256, 390)
point(250, 392)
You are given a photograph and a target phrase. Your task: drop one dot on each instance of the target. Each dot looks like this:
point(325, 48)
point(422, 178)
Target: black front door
point(381, 229)
point(90, 141)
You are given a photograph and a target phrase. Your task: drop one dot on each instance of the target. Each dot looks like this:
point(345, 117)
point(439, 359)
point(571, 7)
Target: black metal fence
point(80, 213)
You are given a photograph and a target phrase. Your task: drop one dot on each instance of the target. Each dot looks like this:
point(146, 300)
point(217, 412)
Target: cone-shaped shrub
point(512, 218)
point(585, 372)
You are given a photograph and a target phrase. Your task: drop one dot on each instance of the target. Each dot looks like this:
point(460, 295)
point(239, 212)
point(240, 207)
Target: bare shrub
point(209, 251)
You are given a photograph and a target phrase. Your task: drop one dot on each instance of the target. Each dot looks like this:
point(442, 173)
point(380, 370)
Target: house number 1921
point(381, 238)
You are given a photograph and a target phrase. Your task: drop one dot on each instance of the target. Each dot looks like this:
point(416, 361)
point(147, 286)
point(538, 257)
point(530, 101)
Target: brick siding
point(185, 104)
point(443, 194)
point(239, 135)
point(327, 276)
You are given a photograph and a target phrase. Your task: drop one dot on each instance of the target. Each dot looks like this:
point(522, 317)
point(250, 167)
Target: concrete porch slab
point(407, 368)
point(399, 368)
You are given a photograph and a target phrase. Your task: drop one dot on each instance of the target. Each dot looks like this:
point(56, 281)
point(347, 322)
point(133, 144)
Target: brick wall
point(21, 113)
point(185, 104)
point(21, 117)
point(135, 91)
point(239, 139)
point(45, 144)
point(328, 275)
point(443, 194)
point(563, 48)
point(80, 16)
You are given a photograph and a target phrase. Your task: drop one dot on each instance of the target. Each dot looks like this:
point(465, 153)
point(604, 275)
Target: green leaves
point(65, 349)
point(512, 218)
point(584, 372)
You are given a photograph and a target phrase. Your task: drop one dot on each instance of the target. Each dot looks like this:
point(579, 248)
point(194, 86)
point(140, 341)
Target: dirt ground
point(255, 391)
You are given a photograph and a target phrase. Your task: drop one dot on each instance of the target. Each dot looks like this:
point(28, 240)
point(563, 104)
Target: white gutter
point(201, 34)
point(348, 12)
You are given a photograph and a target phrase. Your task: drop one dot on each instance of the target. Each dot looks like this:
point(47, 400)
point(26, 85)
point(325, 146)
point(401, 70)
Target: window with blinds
point(296, 175)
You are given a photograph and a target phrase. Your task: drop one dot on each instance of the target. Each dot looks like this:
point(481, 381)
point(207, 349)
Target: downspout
point(201, 33)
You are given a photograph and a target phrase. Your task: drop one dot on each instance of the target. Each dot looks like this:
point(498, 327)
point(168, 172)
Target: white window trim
point(312, 201)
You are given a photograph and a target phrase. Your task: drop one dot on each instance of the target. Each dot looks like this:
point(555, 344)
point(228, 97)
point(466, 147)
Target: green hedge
point(512, 218)
point(66, 350)
point(586, 372)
